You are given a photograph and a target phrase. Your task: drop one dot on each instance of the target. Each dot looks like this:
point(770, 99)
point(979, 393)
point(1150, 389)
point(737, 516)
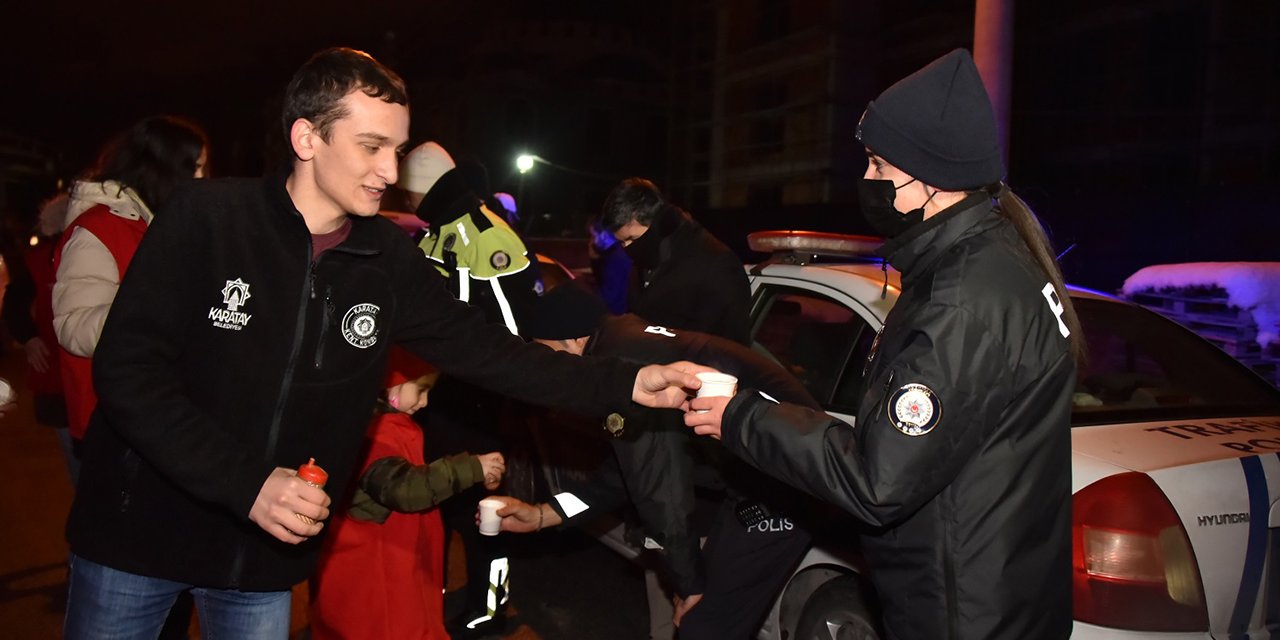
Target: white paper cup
point(716, 384)
point(490, 521)
point(6, 391)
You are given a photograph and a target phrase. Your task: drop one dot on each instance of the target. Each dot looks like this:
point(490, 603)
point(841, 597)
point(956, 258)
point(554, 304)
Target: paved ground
point(564, 586)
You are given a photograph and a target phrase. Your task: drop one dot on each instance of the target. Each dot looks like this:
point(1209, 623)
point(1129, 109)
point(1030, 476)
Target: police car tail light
point(1133, 566)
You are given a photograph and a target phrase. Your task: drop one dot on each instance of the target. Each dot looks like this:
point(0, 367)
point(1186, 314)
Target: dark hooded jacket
point(960, 459)
point(689, 280)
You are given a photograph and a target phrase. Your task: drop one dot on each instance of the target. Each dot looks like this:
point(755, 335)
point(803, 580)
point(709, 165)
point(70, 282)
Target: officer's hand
point(493, 466)
point(284, 501)
point(667, 386)
point(522, 517)
point(705, 415)
point(8, 407)
point(683, 605)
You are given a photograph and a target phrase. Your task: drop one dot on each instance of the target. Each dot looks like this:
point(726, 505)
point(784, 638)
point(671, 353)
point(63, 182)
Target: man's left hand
point(667, 386)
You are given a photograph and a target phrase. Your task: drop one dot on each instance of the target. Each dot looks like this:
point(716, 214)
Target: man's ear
point(303, 137)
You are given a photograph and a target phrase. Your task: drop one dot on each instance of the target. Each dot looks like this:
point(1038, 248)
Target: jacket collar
point(447, 200)
point(121, 200)
point(680, 234)
point(917, 250)
point(361, 241)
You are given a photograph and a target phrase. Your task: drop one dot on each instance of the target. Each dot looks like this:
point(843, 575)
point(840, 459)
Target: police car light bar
point(814, 243)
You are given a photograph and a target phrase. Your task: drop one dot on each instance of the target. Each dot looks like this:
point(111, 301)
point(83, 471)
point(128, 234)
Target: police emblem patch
point(360, 325)
point(914, 409)
point(499, 260)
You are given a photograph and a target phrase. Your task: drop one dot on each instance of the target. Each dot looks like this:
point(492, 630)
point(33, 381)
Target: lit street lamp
point(525, 162)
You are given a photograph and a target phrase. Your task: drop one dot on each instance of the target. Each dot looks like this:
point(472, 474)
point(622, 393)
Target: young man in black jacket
point(724, 590)
point(250, 334)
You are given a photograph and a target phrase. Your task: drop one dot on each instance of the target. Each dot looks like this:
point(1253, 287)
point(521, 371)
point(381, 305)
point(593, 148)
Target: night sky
point(1142, 131)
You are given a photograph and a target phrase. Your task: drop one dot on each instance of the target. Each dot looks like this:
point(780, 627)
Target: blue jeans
point(108, 604)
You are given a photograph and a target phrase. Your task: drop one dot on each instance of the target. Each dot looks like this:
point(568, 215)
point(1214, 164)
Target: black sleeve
point(657, 463)
point(436, 327)
point(600, 493)
point(874, 470)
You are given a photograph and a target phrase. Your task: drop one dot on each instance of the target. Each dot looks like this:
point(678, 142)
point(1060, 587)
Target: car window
point(813, 337)
point(1144, 367)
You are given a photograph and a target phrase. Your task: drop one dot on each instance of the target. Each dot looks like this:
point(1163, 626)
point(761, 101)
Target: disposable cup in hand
point(490, 522)
point(6, 391)
point(716, 384)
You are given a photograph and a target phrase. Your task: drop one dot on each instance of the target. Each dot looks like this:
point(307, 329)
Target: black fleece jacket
point(229, 352)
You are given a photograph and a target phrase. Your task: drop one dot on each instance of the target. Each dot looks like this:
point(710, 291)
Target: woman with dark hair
point(959, 465)
point(107, 214)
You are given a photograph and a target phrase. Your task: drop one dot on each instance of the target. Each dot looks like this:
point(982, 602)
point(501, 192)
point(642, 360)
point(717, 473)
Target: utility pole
point(993, 53)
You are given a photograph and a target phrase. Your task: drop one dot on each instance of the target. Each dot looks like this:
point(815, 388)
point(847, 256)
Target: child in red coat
point(381, 574)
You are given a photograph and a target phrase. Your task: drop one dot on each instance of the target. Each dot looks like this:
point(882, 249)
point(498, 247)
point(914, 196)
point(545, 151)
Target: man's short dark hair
point(633, 200)
point(317, 89)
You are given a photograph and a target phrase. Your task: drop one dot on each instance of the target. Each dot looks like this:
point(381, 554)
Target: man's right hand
point(282, 499)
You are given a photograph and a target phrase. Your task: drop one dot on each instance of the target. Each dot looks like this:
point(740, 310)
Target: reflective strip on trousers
point(499, 575)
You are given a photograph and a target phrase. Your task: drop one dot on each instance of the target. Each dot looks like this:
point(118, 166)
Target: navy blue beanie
point(937, 125)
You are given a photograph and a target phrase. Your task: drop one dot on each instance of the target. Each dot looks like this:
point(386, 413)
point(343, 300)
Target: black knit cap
point(566, 312)
point(937, 125)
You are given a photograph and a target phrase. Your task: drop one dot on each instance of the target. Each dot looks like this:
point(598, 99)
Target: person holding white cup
point(716, 384)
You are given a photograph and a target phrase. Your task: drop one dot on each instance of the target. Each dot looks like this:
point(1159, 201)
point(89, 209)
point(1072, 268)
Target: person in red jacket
point(106, 217)
point(381, 572)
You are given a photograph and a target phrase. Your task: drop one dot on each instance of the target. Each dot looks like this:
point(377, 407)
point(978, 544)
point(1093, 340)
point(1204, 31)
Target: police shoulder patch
point(914, 409)
point(499, 260)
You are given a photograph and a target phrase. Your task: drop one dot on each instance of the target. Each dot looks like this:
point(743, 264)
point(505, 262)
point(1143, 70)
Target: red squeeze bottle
point(312, 474)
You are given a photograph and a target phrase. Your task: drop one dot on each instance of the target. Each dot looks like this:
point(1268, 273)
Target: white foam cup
point(716, 384)
point(490, 521)
point(6, 391)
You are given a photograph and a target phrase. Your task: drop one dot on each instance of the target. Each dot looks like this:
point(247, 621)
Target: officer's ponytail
point(1016, 211)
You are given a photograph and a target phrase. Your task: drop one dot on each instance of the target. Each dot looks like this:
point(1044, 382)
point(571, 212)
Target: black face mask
point(645, 251)
point(876, 198)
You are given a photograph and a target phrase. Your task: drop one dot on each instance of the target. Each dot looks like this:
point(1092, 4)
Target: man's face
point(629, 232)
point(352, 170)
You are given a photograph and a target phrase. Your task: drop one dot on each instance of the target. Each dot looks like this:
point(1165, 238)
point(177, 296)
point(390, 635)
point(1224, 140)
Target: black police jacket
point(960, 459)
point(229, 352)
point(655, 453)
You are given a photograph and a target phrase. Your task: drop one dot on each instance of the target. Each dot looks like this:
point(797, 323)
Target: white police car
point(1175, 458)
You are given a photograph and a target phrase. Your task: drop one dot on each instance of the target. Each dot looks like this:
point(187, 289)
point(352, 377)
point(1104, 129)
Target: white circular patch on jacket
point(500, 260)
point(360, 325)
point(915, 409)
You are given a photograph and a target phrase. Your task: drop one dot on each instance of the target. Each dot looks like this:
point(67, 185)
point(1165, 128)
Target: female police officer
point(960, 458)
